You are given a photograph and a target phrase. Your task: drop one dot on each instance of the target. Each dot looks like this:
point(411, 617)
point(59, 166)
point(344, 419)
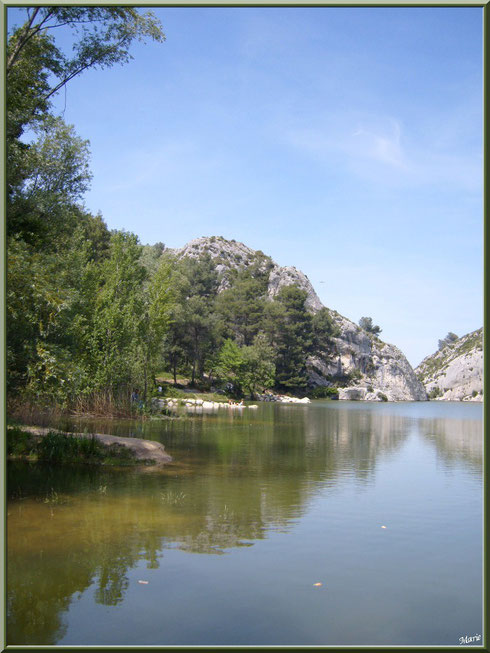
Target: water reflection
point(236, 478)
point(457, 441)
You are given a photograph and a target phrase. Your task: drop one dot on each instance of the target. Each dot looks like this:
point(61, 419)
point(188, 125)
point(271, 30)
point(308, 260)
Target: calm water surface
point(258, 507)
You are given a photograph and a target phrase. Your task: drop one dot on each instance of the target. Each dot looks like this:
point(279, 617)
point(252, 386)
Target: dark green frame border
point(485, 5)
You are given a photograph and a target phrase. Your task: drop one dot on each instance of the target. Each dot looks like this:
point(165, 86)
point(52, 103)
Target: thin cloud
point(380, 150)
point(384, 147)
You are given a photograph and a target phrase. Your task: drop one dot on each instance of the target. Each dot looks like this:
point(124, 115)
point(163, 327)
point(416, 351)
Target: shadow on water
point(235, 480)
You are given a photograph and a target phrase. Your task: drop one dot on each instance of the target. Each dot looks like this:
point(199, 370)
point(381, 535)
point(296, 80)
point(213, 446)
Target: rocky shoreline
point(203, 404)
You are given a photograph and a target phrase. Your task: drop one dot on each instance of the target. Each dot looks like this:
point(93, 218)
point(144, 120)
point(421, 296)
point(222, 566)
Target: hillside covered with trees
point(93, 315)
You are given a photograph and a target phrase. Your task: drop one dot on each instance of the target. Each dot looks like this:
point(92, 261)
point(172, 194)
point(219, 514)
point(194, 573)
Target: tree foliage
point(42, 206)
point(37, 68)
point(92, 312)
point(82, 315)
point(242, 306)
point(292, 335)
point(249, 368)
point(448, 340)
point(366, 323)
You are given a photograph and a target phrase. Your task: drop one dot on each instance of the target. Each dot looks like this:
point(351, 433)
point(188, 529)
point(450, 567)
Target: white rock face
point(455, 373)
point(381, 369)
point(287, 276)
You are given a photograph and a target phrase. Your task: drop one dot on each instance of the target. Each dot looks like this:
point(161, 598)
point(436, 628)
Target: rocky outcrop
point(455, 372)
point(366, 367)
point(378, 371)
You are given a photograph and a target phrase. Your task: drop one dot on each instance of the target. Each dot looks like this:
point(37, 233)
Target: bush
point(324, 392)
point(382, 396)
point(435, 392)
point(20, 443)
point(61, 447)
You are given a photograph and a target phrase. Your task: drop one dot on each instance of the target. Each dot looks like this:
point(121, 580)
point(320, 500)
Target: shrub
point(61, 447)
point(435, 392)
point(324, 392)
point(382, 396)
point(20, 443)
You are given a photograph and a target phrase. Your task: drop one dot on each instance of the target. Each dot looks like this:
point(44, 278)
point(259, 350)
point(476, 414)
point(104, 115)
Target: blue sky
point(346, 142)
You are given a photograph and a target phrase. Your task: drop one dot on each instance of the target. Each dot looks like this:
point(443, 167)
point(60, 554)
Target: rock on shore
point(143, 450)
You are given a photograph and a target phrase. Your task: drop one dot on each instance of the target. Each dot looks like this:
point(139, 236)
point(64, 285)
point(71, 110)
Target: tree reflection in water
point(234, 481)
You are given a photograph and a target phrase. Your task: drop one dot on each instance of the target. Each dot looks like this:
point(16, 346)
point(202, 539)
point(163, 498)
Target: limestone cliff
point(367, 368)
point(455, 372)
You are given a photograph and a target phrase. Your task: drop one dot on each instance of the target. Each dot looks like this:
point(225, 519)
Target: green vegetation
point(55, 447)
point(452, 346)
point(92, 315)
point(324, 392)
point(382, 396)
point(449, 340)
point(366, 323)
point(435, 392)
point(248, 368)
point(238, 337)
point(84, 319)
point(472, 341)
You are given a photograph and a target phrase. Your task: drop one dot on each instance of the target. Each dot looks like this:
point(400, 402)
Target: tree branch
point(29, 32)
point(22, 39)
point(79, 70)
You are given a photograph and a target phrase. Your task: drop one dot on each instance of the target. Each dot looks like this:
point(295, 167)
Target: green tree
point(290, 329)
point(118, 326)
point(324, 329)
point(450, 339)
point(35, 303)
point(37, 68)
point(258, 372)
point(366, 323)
point(194, 332)
point(158, 303)
point(42, 208)
point(79, 315)
point(230, 365)
point(242, 305)
point(249, 367)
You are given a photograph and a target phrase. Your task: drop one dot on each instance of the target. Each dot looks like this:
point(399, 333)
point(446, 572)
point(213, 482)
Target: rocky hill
point(455, 372)
point(368, 368)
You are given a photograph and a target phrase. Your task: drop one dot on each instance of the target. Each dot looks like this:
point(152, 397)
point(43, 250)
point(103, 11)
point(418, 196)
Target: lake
point(333, 523)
